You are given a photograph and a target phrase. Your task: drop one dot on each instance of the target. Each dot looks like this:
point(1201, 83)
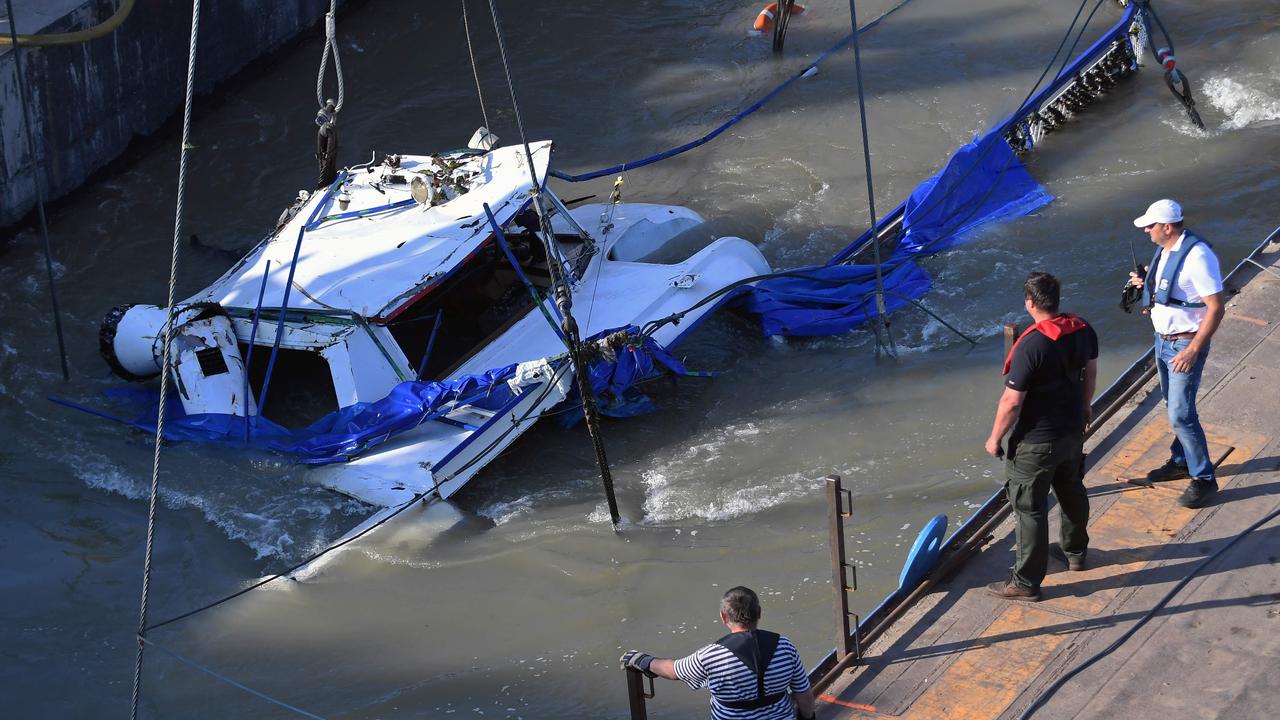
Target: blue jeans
point(1189, 446)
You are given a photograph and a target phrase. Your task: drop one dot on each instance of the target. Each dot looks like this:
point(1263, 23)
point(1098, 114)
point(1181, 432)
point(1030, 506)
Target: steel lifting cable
point(327, 115)
point(164, 355)
point(881, 313)
point(102, 29)
point(475, 71)
point(330, 46)
point(15, 40)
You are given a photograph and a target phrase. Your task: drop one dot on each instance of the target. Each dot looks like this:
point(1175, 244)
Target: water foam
point(502, 512)
point(264, 522)
point(1251, 101)
point(675, 488)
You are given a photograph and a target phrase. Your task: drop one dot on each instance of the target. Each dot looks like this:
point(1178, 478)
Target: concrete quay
point(1212, 651)
point(89, 100)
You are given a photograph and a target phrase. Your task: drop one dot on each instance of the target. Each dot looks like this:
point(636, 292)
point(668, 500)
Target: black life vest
point(755, 648)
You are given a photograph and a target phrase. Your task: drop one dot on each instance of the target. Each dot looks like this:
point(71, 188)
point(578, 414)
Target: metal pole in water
point(35, 169)
point(835, 532)
point(1010, 337)
point(253, 336)
point(588, 401)
point(564, 294)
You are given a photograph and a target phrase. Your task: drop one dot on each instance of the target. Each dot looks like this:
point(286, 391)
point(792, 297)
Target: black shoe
point(1168, 471)
point(1198, 494)
point(1075, 563)
point(1009, 590)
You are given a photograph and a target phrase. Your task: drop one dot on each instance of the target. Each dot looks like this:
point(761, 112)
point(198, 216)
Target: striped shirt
point(715, 667)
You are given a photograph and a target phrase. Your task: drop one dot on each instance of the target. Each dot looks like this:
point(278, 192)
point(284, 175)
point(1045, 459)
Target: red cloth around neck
point(1052, 328)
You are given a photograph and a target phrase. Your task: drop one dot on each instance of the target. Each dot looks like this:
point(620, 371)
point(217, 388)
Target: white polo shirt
point(1198, 277)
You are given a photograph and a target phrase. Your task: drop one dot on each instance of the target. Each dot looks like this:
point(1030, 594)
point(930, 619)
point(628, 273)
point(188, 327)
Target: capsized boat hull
point(438, 458)
point(345, 304)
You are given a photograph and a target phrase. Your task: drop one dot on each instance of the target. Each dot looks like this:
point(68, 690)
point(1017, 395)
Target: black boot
point(1198, 494)
point(1168, 471)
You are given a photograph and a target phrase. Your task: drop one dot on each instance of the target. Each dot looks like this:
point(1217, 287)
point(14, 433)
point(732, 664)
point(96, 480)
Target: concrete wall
point(88, 101)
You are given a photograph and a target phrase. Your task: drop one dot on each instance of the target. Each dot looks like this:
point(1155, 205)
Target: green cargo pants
point(1031, 470)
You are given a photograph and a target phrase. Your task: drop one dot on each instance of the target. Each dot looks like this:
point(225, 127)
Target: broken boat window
point(301, 389)
point(478, 302)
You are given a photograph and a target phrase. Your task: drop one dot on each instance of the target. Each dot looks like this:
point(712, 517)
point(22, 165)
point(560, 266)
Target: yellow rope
point(79, 36)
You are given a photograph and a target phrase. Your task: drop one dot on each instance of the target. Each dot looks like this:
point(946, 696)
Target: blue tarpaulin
point(982, 182)
point(347, 432)
point(832, 298)
point(335, 437)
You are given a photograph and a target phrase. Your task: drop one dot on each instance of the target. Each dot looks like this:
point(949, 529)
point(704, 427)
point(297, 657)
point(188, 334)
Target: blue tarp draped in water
point(982, 182)
point(335, 437)
point(832, 298)
point(346, 432)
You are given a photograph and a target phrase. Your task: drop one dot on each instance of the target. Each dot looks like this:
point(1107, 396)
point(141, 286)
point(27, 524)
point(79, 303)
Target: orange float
point(764, 21)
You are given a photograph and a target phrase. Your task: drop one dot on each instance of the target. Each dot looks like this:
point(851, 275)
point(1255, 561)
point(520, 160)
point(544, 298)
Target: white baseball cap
point(1161, 211)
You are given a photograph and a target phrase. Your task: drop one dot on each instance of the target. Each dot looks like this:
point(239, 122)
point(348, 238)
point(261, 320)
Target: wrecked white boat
point(391, 293)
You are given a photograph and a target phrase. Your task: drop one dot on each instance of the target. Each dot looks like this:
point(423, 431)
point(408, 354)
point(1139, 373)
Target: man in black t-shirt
point(1049, 381)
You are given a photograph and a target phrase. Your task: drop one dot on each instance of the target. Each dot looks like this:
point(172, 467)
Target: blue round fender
point(924, 553)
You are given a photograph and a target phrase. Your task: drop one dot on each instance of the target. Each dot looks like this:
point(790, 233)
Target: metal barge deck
point(1145, 632)
point(953, 651)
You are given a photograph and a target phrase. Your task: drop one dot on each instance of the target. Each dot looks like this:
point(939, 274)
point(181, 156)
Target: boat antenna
point(185, 149)
point(39, 177)
point(564, 295)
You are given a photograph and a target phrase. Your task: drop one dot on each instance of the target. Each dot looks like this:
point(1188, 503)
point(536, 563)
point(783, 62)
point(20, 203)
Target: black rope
point(784, 9)
point(1066, 58)
point(1056, 686)
point(39, 182)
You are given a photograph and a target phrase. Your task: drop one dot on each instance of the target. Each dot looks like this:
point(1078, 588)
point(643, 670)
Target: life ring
point(764, 21)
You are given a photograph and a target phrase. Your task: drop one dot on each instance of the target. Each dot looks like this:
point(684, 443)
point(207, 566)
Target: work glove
point(638, 660)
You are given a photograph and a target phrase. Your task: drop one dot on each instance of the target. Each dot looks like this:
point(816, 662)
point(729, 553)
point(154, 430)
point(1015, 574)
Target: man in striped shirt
point(752, 674)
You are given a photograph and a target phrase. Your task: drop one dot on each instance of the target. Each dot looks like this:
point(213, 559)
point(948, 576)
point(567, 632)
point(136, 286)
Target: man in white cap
point(1182, 291)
